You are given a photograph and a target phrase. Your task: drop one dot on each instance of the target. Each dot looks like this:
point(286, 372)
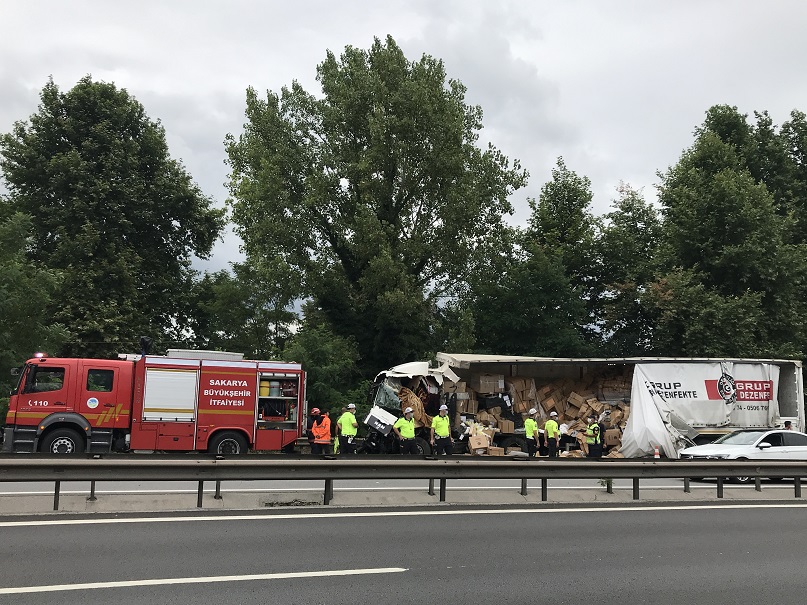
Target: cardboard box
point(477, 442)
point(520, 407)
point(495, 411)
point(487, 383)
point(495, 451)
point(613, 437)
point(510, 450)
point(507, 426)
point(471, 406)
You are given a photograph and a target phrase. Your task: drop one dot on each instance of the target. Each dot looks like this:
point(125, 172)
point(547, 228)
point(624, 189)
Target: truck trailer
point(664, 403)
point(184, 401)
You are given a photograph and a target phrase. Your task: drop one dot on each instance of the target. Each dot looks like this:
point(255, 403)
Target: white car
point(751, 444)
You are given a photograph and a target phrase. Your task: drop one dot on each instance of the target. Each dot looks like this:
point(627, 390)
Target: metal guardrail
point(128, 468)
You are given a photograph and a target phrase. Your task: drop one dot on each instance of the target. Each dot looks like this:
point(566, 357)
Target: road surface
point(711, 554)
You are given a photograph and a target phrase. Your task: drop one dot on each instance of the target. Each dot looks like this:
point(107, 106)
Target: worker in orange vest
point(322, 432)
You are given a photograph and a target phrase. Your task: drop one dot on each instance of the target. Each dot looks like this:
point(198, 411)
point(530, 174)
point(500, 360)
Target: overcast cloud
point(616, 87)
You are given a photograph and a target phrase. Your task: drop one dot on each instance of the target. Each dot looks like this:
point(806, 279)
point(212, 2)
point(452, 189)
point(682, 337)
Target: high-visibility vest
point(593, 436)
point(551, 429)
point(530, 428)
point(346, 421)
point(322, 430)
point(441, 426)
point(405, 427)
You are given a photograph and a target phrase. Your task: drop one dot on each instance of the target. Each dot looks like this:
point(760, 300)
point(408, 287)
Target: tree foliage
point(25, 291)
point(111, 211)
point(376, 193)
point(729, 256)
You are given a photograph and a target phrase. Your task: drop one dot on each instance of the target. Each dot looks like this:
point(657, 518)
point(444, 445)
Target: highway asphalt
point(715, 554)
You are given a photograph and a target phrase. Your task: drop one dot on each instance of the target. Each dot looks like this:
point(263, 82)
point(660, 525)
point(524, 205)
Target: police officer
point(441, 433)
point(593, 438)
point(531, 432)
point(404, 428)
point(552, 434)
point(346, 428)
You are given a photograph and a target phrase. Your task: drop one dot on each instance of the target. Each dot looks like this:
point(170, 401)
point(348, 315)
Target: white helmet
point(443, 407)
point(408, 411)
point(533, 411)
point(553, 413)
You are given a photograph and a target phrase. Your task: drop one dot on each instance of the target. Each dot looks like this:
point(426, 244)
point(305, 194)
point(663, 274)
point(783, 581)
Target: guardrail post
point(797, 486)
point(199, 494)
point(328, 491)
point(92, 497)
point(217, 496)
point(431, 487)
point(442, 490)
point(687, 489)
point(609, 486)
point(56, 489)
point(720, 487)
point(523, 487)
point(544, 490)
point(758, 484)
point(636, 488)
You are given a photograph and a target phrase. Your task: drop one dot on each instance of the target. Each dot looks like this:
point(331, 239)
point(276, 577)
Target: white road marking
point(199, 580)
point(418, 513)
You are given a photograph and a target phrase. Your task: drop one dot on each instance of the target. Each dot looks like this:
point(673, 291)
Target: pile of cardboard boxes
point(513, 397)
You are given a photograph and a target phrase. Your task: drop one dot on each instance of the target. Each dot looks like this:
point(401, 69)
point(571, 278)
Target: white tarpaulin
point(698, 395)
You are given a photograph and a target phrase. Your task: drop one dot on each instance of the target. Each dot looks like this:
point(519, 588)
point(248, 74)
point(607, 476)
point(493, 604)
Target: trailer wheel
point(514, 442)
point(423, 447)
point(63, 441)
point(228, 443)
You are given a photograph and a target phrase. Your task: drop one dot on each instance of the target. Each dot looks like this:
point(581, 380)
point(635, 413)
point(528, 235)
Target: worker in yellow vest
point(441, 439)
point(593, 438)
point(531, 432)
point(552, 434)
point(346, 429)
point(404, 428)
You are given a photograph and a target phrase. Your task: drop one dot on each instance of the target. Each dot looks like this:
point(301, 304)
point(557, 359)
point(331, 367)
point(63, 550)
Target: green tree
point(563, 226)
point(726, 260)
point(331, 363)
point(112, 211)
point(627, 249)
point(25, 291)
point(376, 193)
point(250, 310)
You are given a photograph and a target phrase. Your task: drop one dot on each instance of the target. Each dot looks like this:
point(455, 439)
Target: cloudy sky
point(615, 87)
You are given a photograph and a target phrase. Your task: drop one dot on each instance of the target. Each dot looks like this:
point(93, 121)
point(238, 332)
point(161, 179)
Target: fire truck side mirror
point(145, 345)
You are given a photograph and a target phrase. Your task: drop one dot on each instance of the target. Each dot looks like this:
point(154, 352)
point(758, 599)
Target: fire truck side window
point(100, 380)
point(42, 380)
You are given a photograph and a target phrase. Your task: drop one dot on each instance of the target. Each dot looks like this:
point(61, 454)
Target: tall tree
point(250, 310)
point(726, 259)
point(563, 225)
point(112, 211)
point(376, 193)
point(627, 249)
point(25, 292)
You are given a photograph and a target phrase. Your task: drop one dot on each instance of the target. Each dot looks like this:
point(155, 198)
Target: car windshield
point(740, 438)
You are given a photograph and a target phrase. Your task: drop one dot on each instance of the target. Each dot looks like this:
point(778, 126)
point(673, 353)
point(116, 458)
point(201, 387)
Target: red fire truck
point(184, 401)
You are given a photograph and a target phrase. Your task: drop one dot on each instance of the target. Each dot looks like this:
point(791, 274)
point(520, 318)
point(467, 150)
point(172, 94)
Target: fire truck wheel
point(63, 441)
point(228, 442)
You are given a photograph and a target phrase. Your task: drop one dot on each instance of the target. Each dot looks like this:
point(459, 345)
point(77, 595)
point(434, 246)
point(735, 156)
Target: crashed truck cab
point(669, 403)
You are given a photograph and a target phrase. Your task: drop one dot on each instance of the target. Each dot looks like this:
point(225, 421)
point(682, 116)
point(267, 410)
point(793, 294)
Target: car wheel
point(63, 442)
point(228, 443)
point(742, 480)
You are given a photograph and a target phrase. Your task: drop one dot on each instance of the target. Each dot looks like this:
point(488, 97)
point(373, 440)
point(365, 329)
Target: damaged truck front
point(645, 403)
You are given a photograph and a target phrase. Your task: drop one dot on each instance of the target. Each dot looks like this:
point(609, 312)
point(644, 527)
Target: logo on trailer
point(727, 388)
point(92, 403)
